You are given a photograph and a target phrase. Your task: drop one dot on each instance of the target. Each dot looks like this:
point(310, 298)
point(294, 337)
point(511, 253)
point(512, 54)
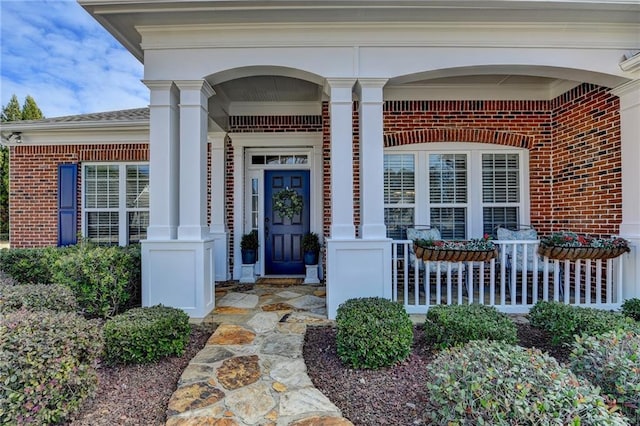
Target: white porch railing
point(513, 282)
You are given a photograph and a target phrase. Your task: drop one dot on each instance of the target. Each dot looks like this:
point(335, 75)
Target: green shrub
point(495, 383)
point(373, 333)
point(47, 365)
point(612, 362)
point(37, 297)
point(105, 280)
point(565, 321)
point(631, 308)
point(145, 335)
point(455, 324)
point(30, 265)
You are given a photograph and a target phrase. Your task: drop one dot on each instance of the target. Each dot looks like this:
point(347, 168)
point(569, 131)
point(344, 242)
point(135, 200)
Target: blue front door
point(283, 235)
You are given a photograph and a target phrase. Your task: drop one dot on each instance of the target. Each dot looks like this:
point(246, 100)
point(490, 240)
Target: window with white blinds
point(448, 194)
point(115, 203)
point(464, 190)
point(500, 191)
point(399, 193)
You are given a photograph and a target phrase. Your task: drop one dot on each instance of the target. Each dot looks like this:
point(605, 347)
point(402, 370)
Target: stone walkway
point(251, 371)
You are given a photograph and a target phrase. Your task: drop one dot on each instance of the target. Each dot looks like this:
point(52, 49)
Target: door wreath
point(287, 203)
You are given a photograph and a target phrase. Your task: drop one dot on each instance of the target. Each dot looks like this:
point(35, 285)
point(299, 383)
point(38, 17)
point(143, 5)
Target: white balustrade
point(513, 282)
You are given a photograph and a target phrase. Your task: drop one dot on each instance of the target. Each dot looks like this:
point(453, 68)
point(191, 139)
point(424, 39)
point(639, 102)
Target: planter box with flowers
point(475, 250)
point(571, 246)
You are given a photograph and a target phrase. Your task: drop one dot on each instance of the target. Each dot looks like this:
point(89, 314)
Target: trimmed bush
point(455, 324)
point(36, 297)
point(144, 335)
point(495, 383)
point(105, 280)
point(612, 362)
point(373, 333)
point(47, 365)
point(631, 308)
point(29, 265)
point(565, 321)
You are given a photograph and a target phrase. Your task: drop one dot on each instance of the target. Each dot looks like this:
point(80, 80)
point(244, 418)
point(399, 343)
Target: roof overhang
point(122, 17)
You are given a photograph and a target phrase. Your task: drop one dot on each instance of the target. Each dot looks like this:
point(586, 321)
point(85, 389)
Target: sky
point(56, 52)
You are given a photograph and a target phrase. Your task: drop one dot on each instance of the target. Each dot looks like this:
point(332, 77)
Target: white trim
point(84, 136)
point(246, 144)
point(631, 64)
point(520, 92)
point(440, 34)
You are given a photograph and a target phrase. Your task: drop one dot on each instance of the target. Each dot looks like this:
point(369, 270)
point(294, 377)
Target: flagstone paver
point(251, 371)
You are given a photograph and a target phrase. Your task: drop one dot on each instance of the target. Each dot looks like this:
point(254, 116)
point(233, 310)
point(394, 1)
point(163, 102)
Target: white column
point(340, 110)
point(371, 158)
point(163, 160)
point(194, 97)
point(218, 228)
point(629, 95)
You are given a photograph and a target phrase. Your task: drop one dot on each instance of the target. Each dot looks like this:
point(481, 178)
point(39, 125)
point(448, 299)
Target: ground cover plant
point(47, 365)
point(612, 362)
point(495, 383)
point(37, 297)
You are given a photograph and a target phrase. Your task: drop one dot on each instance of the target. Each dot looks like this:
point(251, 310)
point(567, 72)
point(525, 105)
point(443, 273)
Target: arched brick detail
point(458, 134)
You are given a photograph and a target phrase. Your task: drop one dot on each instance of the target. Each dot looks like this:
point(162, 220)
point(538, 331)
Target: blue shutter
point(67, 204)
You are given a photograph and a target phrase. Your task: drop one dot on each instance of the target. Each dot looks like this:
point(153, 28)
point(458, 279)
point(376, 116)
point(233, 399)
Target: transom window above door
point(465, 193)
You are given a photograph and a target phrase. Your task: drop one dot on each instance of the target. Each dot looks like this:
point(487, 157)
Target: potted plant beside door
point(311, 248)
point(249, 247)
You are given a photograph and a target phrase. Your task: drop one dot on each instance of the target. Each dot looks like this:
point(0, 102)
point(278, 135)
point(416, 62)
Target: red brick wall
point(587, 163)
point(573, 142)
point(33, 211)
point(524, 124)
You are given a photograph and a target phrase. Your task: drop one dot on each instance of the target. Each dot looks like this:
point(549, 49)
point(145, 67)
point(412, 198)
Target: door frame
point(248, 144)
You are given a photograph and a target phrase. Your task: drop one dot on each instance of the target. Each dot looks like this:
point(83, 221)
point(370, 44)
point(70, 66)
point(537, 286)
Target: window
point(115, 203)
point(464, 190)
point(399, 194)
point(448, 194)
point(500, 191)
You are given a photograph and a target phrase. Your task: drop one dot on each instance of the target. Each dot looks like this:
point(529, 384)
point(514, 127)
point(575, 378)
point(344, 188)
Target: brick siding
point(33, 175)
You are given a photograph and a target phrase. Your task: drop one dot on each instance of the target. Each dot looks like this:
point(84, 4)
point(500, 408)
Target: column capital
point(158, 84)
point(202, 85)
point(216, 139)
point(369, 90)
point(340, 90)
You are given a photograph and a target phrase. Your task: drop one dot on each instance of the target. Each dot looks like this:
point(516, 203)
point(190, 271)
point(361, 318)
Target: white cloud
point(57, 53)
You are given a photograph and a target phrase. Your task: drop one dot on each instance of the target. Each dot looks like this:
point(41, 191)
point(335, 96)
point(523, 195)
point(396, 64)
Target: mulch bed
point(391, 396)
point(138, 394)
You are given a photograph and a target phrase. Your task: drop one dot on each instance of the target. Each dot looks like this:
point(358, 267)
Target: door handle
point(266, 232)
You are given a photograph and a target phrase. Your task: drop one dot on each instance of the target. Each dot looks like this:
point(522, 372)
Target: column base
point(248, 273)
point(312, 275)
point(357, 268)
point(179, 274)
